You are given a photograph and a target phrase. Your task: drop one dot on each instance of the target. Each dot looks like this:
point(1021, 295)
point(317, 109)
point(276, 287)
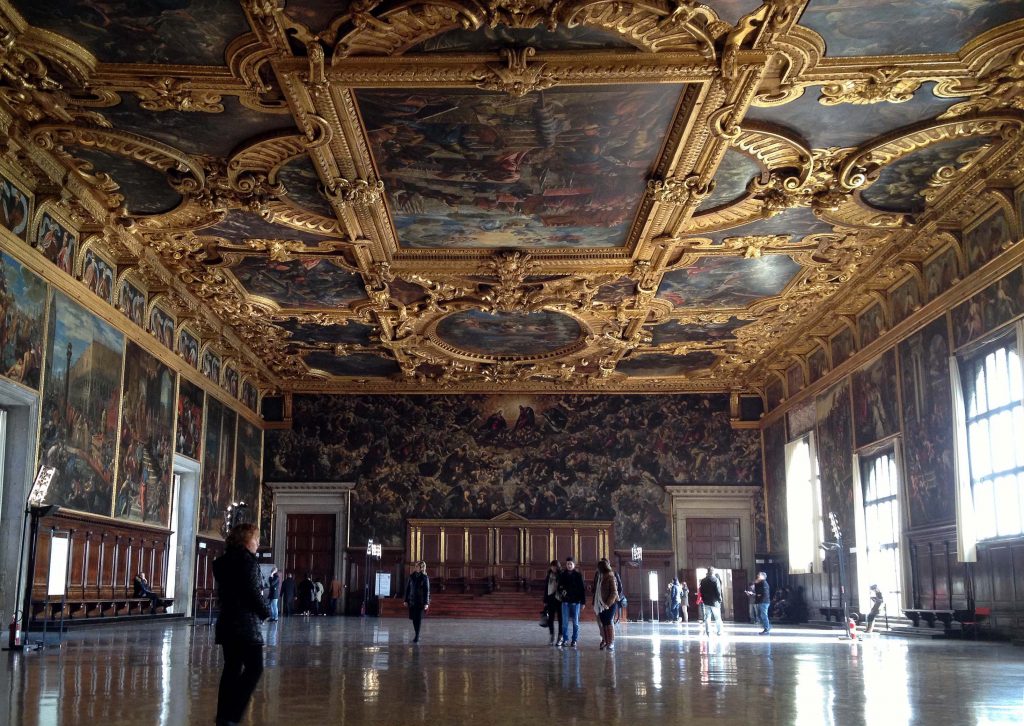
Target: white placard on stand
point(383, 585)
point(57, 581)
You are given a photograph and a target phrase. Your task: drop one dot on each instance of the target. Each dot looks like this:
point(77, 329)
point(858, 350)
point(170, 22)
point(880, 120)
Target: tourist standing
point(306, 589)
point(335, 596)
point(574, 593)
point(606, 597)
point(673, 599)
point(552, 603)
point(711, 597)
point(273, 594)
point(318, 597)
point(684, 602)
point(762, 600)
point(417, 597)
point(288, 593)
point(238, 631)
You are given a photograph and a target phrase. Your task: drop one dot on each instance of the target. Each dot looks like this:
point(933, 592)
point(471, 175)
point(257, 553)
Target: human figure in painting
point(606, 599)
point(877, 599)
point(273, 594)
point(238, 631)
point(417, 597)
point(574, 593)
point(141, 588)
point(711, 597)
point(288, 594)
point(552, 602)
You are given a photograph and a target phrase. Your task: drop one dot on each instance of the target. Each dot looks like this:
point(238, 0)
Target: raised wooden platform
point(500, 605)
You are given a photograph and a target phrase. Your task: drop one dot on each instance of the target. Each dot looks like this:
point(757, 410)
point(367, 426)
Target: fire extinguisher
point(851, 626)
point(14, 633)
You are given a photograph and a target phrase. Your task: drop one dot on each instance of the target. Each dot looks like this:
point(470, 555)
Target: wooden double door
point(310, 546)
point(507, 551)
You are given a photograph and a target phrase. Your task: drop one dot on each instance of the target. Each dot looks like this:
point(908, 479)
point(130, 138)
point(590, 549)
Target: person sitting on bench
point(141, 589)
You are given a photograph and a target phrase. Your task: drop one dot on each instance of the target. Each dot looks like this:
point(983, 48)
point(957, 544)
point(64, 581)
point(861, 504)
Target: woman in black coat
point(417, 596)
point(238, 631)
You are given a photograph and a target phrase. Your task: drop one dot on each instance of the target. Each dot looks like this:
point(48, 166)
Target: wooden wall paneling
point(479, 559)
point(539, 554)
point(454, 562)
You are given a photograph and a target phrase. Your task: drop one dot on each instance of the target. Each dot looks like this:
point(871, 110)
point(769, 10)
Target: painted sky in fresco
point(508, 334)
point(300, 283)
point(727, 281)
point(561, 168)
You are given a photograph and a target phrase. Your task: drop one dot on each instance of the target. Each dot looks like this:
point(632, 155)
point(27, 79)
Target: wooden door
point(310, 545)
point(713, 542)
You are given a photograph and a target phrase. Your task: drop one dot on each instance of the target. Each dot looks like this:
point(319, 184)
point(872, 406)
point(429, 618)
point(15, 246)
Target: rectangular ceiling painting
point(559, 168)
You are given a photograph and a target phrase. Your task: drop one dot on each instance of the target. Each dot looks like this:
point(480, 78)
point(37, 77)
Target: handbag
point(560, 594)
point(545, 620)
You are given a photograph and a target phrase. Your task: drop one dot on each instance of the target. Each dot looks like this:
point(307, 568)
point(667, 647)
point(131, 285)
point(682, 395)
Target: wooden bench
point(972, 620)
point(945, 617)
point(82, 608)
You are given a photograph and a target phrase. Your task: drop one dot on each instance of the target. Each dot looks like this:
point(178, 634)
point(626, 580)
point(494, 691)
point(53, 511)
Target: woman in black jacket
point(238, 631)
point(417, 596)
point(552, 605)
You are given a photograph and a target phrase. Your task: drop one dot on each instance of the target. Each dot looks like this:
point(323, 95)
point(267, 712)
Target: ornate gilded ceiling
point(599, 195)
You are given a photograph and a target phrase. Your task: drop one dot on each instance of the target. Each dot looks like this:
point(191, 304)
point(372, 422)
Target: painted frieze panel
point(57, 243)
point(190, 419)
point(875, 407)
point(835, 459)
point(22, 317)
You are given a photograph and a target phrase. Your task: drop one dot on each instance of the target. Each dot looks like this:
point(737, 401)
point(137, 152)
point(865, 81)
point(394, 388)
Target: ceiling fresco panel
point(734, 174)
point(302, 186)
point(194, 32)
point(300, 284)
point(489, 39)
point(361, 365)
point(727, 282)
point(663, 365)
point(883, 27)
point(352, 333)
point(796, 223)
point(316, 14)
point(508, 334)
point(559, 168)
point(238, 226)
point(145, 190)
point(676, 332)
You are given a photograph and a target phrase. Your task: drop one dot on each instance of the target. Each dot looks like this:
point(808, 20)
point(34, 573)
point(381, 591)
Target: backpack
point(622, 591)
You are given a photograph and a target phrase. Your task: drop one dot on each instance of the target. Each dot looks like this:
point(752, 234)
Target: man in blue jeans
point(574, 593)
point(762, 599)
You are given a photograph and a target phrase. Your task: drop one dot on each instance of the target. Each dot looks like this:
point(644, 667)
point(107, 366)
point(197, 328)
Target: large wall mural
point(875, 410)
point(775, 485)
point(557, 457)
point(928, 425)
point(81, 393)
point(22, 312)
point(247, 468)
point(218, 467)
point(835, 464)
point(190, 419)
point(147, 436)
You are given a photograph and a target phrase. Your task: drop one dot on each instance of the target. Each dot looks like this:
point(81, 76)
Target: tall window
point(880, 479)
point(803, 505)
point(994, 411)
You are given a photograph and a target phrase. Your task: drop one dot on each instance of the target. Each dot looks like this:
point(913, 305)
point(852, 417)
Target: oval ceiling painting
point(518, 335)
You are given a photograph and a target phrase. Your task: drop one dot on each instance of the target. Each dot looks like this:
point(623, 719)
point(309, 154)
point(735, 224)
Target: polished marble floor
point(353, 671)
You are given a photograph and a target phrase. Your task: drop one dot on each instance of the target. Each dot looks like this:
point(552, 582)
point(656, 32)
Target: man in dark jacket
point(238, 630)
point(570, 583)
point(417, 596)
point(306, 590)
point(288, 593)
point(711, 596)
point(762, 600)
point(274, 593)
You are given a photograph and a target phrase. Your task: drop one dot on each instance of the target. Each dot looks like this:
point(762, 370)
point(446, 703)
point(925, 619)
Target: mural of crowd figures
point(875, 410)
point(835, 442)
point(999, 303)
point(940, 273)
point(22, 313)
point(985, 240)
point(905, 299)
point(842, 346)
point(247, 468)
point(188, 348)
point(14, 206)
point(775, 485)
point(190, 419)
point(57, 243)
point(211, 366)
point(927, 434)
point(543, 457)
point(266, 517)
point(218, 467)
point(801, 419)
point(161, 325)
point(147, 439)
point(98, 276)
point(81, 393)
point(133, 303)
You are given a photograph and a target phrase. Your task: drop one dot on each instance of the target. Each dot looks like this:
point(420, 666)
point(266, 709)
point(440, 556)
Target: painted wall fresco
point(731, 179)
point(794, 379)
point(817, 364)
point(940, 273)
point(553, 169)
point(928, 425)
point(218, 467)
point(508, 334)
point(248, 465)
point(145, 190)
point(664, 364)
point(905, 299)
point(179, 31)
point(210, 366)
point(188, 348)
point(676, 332)
point(875, 409)
point(231, 381)
point(239, 226)
point(616, 292)
point(190, 420)
point(81, 393)
point(999, 303)
point(22, 316)
point(835, 463)
point(881, 27)
point(266, 517)
point(132, 302)
point(986, 240)
point(795, 223)
point(728, 282)
point(843, 345)
point(98, 276)
point(215, 134)
point(871, 324)
point(578, 457)
point(147, 439)
point(161, 325)
point(774, 392)
point(309, 283)
point(900, 185)
point(357, 364)
point(14, 208)
point(801, 419)
point(849, 124)
point(352, 333)
point(302, 185)
point(57, 243)
point(250, 396)
point(775, 486)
